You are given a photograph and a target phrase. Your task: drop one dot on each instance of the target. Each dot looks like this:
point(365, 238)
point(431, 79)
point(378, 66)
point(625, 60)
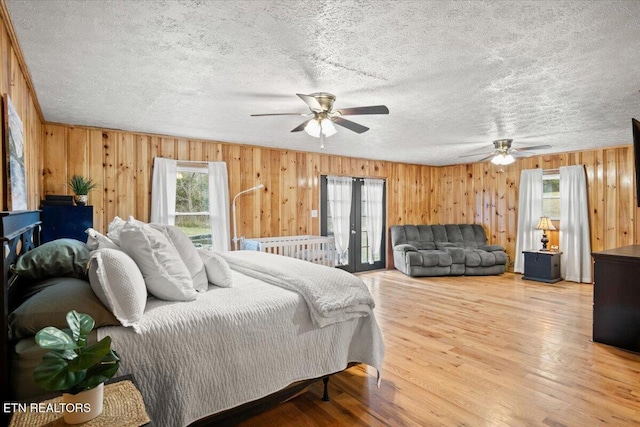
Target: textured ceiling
point(455, 74)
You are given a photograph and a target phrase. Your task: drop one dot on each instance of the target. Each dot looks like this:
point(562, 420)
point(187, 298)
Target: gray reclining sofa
point(444, 250)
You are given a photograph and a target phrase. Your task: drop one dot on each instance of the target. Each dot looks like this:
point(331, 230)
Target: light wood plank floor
point(478, 351)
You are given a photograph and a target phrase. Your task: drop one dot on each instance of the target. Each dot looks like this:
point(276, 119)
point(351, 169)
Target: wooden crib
point(316, 249)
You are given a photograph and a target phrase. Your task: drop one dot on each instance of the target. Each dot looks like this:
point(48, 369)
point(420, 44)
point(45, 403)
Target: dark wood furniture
point(616, 297)
point(543, 266)
point(20, 231)
point(60, 221)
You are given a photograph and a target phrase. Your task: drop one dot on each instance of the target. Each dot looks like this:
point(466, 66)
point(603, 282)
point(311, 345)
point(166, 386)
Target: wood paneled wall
point(473, 193)
point(121, 162)
point(482, 194)
point(15, 81)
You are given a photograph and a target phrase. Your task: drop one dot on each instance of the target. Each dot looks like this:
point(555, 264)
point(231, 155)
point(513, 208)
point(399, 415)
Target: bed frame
point(316, 249)
point(20, 231)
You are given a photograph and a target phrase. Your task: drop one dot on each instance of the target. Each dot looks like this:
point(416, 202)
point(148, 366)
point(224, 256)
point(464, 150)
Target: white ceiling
point(455, 74)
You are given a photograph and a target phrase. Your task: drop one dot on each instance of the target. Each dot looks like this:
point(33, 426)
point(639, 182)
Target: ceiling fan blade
point(349, 125)
point(302, 126)
point(479, 154)
point(489, 157)
point(533, 147)
point(311, 102)
point(374, 109)
point(279, 114)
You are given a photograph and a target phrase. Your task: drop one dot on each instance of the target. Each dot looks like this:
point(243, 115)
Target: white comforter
point(234, 345)
point(333, 295)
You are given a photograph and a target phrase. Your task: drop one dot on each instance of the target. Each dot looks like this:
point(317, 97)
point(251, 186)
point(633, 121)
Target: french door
point(359, 255)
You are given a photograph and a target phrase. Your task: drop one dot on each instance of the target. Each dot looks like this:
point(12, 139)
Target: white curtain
point(575, 238)
point(219, 206)
point(529, 213)
point(373, 190)
point(339, 200)
point(163, 191)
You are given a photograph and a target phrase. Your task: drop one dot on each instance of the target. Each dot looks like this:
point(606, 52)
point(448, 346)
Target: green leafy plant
point(73, 366)
point(81, 185)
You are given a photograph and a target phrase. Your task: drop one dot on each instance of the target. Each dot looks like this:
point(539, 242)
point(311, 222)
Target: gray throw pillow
point(58, 258)
point(50, 306)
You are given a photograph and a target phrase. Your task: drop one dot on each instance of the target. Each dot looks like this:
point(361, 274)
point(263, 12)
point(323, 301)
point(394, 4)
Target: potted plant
point(81, 186)
point(77, 369)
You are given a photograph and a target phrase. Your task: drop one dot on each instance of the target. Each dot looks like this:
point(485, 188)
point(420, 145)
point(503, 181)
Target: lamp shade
point(503, 159)
point(545, 224)
point(314, 126)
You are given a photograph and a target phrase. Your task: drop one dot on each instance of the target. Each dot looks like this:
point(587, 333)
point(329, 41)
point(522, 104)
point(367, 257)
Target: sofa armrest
point(405, 248)
point(491, 248)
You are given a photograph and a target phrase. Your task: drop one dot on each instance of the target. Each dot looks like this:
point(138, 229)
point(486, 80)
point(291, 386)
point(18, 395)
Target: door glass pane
point(330, 232)
point(364, 249)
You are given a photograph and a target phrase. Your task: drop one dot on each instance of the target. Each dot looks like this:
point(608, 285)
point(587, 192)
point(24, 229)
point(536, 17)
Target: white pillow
point(116, 225)
point(164, 272)
point(188, 253)
point(114, 229)
point(97, 240)
point(118, 283)
point(217, 268)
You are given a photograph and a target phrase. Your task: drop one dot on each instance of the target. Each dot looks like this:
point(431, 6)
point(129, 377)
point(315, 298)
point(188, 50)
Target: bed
point(227, 351)
point(316, 249)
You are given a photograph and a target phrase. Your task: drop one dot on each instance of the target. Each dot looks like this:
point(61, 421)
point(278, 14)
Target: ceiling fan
point(321, 124)
point(504, 154)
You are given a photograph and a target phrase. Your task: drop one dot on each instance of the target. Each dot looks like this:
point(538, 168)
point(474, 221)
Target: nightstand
point(543, 266)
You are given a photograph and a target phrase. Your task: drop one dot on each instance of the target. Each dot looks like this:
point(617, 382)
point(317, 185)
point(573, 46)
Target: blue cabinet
point(66, 222)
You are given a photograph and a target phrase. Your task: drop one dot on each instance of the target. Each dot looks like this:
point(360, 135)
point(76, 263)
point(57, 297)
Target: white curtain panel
point(339, 200)
point(373, 190)
point(575, 237)
point(529, 213)
point(163, 191)
point(219, 206)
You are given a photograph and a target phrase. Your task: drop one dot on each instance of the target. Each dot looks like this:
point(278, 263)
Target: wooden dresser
point(616, 297)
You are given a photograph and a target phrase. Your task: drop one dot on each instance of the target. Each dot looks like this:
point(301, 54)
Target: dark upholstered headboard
point(20, 231)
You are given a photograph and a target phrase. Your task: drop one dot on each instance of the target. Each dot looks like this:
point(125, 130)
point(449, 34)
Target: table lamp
point(545, 224)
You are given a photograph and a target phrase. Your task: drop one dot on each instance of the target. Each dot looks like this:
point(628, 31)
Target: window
point(551, 196)
point(192, 204)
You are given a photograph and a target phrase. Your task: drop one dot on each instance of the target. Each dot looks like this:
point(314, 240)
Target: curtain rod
point(550, 171)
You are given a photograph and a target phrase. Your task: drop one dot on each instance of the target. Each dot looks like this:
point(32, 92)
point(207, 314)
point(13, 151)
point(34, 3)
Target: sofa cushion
point(414, 258)
point(471, 258)
point(423, 245)
point(435, 258)
point(491, 248)
point(457, 254)
point(479, 258)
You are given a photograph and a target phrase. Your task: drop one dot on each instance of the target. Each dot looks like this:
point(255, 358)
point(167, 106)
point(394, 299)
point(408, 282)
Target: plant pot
point(80, 199)
point(84, 406)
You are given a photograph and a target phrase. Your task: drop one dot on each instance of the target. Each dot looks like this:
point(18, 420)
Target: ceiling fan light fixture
point(314, 126)
point(503, 159)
